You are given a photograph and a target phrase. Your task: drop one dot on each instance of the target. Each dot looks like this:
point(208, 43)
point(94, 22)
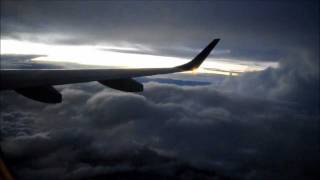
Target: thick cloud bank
point(169, 131)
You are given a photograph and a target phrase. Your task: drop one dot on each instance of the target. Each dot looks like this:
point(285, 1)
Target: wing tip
point(197, 61)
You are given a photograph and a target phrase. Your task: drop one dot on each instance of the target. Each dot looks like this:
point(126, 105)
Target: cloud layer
point(167, 131)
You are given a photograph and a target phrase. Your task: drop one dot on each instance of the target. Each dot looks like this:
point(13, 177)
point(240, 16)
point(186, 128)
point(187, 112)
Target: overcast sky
point(253, 29)
point(260, 125)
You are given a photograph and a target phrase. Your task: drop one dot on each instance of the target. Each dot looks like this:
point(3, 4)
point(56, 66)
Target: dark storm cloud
point(297, 80)
point(86, 160)
point(103, 133)
point(252, 30)
point(98, 151)
point(16, 124)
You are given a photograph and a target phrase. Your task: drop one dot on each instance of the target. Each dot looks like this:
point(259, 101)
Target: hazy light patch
point(94, 55)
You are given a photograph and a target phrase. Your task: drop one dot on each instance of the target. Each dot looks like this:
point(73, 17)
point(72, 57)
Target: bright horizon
point(94, 55)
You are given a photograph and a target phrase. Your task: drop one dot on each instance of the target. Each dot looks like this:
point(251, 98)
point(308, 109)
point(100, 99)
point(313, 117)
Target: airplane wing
point(37, 83)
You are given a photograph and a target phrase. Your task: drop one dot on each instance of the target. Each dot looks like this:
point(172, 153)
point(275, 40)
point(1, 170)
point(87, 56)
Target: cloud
point(16, 124)
point(297, 80)
point(70, 154)
point(199, 130)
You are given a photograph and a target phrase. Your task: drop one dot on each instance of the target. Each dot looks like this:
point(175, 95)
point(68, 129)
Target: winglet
point(196, 62)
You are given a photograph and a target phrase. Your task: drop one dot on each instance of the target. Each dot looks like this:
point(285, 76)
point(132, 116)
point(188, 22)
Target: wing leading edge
point(23, 79)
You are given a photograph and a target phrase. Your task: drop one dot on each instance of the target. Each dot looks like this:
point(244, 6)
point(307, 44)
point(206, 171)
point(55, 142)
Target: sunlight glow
point(94, 55)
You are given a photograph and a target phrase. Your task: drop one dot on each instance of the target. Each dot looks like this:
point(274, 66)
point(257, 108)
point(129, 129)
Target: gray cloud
point(100, 133)
point(297, 80)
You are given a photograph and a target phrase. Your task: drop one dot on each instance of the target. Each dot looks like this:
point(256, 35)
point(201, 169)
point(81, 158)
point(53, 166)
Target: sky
point(261, 124)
